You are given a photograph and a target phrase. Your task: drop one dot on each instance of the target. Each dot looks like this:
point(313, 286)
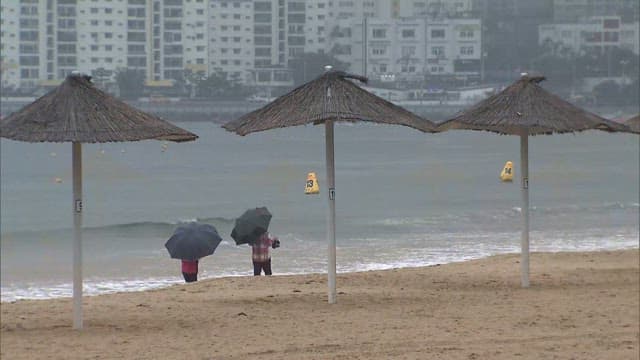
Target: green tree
point(614, 61)
point(557, 63)
point(130, 82)
point(192, 79)
point(607, 92)
point(218, 85)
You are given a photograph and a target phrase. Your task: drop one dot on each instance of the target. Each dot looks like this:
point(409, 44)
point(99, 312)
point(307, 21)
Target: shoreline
point(580, 305)
point(64, 290)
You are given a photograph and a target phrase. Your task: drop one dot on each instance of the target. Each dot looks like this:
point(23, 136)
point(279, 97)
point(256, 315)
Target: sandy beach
point(579, 306)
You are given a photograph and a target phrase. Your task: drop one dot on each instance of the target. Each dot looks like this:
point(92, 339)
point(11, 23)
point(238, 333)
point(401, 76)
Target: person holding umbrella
point(261, 253)
point(190, 242)
point(190, 270)
point(251, 228)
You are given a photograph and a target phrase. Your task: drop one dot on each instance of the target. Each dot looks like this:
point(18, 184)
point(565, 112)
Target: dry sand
point(579, 306)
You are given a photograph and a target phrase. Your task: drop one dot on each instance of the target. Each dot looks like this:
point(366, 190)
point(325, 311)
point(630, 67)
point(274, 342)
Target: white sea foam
point(375, 254)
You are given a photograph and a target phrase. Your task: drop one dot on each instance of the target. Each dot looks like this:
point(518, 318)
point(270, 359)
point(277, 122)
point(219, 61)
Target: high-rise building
point(294, 30)
point(196, 37)
point(316, 26)
point(10, 46)
point(22, 44)
point(231, 38)
point(92, 37)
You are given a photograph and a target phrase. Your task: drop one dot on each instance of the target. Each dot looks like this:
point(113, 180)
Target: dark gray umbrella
point(250, 225)
point(524, 108)
point(77, 112)
point(634, 124)
point(329, 98)
point(193, 241)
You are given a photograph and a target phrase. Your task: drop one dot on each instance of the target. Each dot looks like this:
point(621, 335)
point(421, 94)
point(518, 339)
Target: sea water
point(403, 199)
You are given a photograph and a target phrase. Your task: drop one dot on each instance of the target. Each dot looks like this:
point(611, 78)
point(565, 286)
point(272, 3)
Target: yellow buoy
point(311, 187)
point(507, 172)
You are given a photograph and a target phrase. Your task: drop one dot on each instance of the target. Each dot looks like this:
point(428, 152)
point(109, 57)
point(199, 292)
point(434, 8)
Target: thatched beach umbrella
point(634, 124)
point(79, 113)
point(524, 108)
point(329, 98)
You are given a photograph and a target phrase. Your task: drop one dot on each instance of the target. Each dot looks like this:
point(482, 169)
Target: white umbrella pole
point(524, 173)
point(331, 221)
point(77, 235)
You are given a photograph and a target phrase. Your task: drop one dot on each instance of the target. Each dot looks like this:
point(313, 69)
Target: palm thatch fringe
point(634, 124)
point(76, 111)
point(331, 96)
point(526, 108)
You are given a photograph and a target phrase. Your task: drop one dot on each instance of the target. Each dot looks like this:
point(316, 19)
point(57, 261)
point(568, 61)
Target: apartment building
point(138, 38)
point(44, 40)
point(10, 46)
point(231, 38)
point(295, 29)
point(251, 41)
point(96, 34)
point(599, 33)
point(408, 48)
point(317, 14)
point(196, 36)
point(22, 44)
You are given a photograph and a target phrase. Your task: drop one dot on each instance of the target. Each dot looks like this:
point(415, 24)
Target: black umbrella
point(193, 241)
point(252, 224)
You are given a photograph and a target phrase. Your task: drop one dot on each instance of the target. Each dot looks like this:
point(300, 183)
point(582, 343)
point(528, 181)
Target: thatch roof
point(76, 111)
point(634, 124)
point(525, 107)
point(331, 96)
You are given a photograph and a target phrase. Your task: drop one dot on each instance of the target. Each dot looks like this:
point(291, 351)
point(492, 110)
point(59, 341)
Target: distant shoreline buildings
point(254, 41)
point(597, 33)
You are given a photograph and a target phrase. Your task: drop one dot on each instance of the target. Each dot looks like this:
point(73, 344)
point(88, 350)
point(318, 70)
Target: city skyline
point(254, 42)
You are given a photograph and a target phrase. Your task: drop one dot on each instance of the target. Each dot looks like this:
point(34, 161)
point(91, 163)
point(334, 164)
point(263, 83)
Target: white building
point(231, 38)
point(21, 61)
point(454, 47)
point(595, 33)
point(139, 37)
point(409, 48)
point(252, 41)
point(54, 37)
point(97, 33)
point(10, 46)
point(316, 26)
point(196, 36)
